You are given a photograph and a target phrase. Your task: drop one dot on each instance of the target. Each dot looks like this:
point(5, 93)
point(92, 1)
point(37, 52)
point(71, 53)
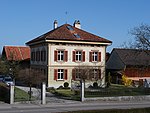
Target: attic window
point(70, 28)
point(76, 35)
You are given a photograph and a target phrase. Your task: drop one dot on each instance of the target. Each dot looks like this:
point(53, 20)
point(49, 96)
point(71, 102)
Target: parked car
point(8, 80)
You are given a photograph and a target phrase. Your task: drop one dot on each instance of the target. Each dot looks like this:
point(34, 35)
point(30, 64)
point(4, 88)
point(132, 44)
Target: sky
point(24, 20)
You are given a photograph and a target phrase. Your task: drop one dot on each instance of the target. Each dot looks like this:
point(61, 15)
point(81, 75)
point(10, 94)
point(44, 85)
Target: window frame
point(60, 74)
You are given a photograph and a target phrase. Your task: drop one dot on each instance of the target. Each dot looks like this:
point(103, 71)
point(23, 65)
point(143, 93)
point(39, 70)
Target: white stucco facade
point(49, 64)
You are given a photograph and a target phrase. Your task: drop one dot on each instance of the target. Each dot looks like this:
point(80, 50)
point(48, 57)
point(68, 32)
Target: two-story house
point(60, 50)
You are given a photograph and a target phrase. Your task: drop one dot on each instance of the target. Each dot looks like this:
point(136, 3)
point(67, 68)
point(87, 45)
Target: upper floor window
point(32, 56)
point(43, 55)
point(94, 56)
point(60, 74)
point(60, 55)
point(37, 55)
point(79, 56)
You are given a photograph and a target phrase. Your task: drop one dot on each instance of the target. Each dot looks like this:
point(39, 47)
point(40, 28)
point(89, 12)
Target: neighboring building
point(133, 63)
point(17, 53)
point(60, 50)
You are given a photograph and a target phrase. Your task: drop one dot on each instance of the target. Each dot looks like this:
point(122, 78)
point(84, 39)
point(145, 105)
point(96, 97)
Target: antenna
point(66, 16)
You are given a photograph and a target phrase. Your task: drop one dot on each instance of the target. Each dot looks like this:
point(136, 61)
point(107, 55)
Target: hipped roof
point(74, 34)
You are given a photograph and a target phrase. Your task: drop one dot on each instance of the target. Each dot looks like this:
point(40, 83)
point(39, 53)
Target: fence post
point(11, 94)
point(82, 90)
point(43, 93)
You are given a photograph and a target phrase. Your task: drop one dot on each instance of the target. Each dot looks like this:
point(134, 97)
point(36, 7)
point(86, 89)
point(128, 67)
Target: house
point(20, 54)
point(133, 63)
point(60, 50)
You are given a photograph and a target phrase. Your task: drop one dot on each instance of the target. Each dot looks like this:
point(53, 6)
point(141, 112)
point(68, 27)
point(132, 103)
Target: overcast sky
point(23, 20)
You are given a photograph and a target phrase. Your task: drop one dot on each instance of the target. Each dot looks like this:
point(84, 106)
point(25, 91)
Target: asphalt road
point(55, 108)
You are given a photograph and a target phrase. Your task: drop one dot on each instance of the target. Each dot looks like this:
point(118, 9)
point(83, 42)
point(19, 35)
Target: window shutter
point(65, 56)
point(55, 74)
point(55, 55)
point(73, 74)
point(99, 56)
point(73, 56)
point(90, 56)
point(83, 56)
point(65, 74)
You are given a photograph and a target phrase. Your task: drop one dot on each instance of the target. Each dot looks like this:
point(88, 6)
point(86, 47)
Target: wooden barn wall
point(137, 72)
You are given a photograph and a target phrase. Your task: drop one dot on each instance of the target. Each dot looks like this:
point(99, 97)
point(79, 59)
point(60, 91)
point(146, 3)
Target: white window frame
point(95, 56)
point(60, 74)
point(78, 56)
point(60, 55)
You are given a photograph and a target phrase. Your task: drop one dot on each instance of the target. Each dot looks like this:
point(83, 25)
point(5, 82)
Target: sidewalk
point(80, 105)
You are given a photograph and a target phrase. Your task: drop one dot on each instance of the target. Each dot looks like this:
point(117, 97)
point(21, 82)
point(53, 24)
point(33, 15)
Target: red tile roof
point(16, 53)
point(64, 33)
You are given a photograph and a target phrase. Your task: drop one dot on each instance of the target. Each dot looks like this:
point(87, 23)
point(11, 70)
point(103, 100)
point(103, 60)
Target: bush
point(60, 87)
point(66, 84)
point(4, 92)
point(51, 89)
point(126, 81)
point(95, 84)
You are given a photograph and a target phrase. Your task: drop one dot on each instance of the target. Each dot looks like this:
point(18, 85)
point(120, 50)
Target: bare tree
point(141, 38)
point(87, 73)
point(32, 77)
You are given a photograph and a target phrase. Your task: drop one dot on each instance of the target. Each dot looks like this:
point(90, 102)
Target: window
point(43, 55)
point(78, 56)
point(95, 56)
point(60, 74)
point(95, 73)
point(37, 55)
point(60, 55)
point(32, 56)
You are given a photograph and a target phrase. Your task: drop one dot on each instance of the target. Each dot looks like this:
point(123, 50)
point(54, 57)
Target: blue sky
point(23, 20)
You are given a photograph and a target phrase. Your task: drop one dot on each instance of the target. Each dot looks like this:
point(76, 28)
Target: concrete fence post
point(11, 94)
point(43, 93)
point(82, 90)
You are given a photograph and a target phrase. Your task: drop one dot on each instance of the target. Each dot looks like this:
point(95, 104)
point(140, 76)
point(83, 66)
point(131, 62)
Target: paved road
point(55, 108)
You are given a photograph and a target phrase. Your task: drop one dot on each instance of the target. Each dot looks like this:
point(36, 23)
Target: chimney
point(77, 24)
point(55, 24)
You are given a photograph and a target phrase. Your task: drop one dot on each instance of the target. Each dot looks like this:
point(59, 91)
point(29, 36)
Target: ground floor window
point(60, 74)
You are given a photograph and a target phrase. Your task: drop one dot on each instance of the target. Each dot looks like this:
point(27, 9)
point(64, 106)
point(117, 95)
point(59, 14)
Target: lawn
point(113, 90)
point(21, 95)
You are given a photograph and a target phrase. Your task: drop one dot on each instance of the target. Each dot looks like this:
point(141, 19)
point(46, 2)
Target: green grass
point(117, 90)
point(21, 95)
point(139, 110)
point(113, 90)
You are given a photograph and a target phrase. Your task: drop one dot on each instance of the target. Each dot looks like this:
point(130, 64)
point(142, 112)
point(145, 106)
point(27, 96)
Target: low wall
point(120, 98)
